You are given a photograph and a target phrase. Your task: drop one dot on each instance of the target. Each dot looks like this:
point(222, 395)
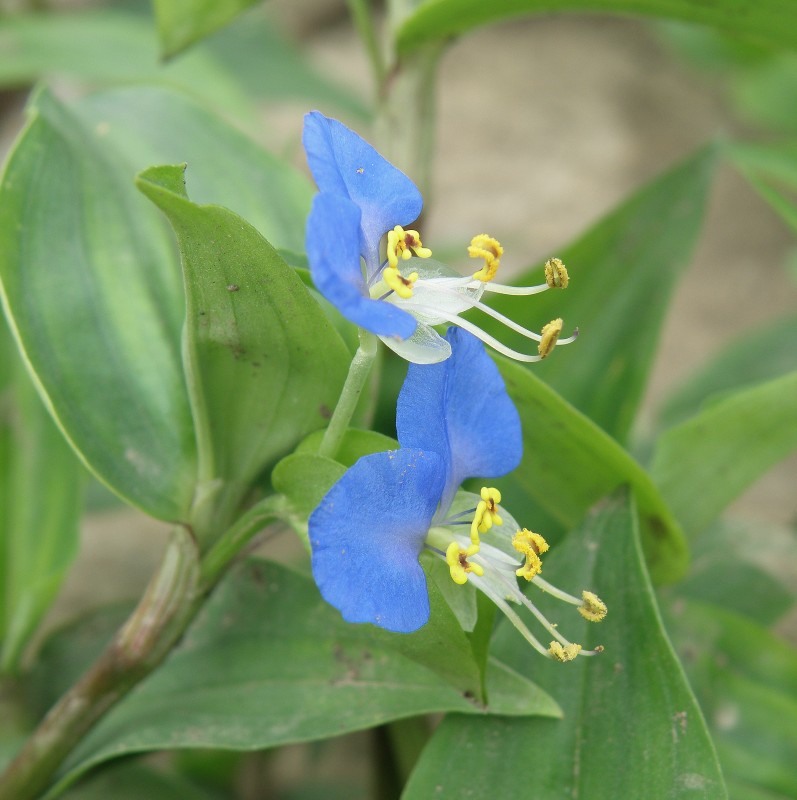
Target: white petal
point(444, 295)
point(425, 346)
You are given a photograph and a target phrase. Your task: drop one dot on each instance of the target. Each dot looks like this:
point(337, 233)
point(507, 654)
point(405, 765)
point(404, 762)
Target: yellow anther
point(458, 564)
point(531, 568)
point(527, 541)
point(564, 652)
point(594, 609)
point(556, 274)
point(490, 496)
point(486, 513)
point(402, 244)
point(550, 336)
point(532, 545)
point(484, 246)
point(398, 283)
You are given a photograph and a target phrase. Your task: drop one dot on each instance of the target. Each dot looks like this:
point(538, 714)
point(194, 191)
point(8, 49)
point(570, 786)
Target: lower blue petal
point(460, 409)
point(333, 251)
point(366, 536)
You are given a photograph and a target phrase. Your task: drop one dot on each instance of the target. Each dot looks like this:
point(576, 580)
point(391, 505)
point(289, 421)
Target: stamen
point(557, 593)
point(455, 519)
point(550, 335)
point(512, 590)
point(532, 545)
point(594, 609)
point(484, 246)
point(458, 564)
point(564, 653)
point(491, 498)
point(402, 244)
point(398, 283)
point(531, 568)
point(525, 541)
point(556, 274)
point(497, 315)
point(486, 513)
point(511, 615)
point(501, 288)
point(477, 332)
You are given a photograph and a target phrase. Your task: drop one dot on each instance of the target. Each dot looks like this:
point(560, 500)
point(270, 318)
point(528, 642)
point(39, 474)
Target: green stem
point(168, 605)
point(352, 389)
point(174, 595)
point(364, 23)
point(224, 550)
point(404, 126)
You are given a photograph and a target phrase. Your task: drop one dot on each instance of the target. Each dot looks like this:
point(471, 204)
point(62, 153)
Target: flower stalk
point(164, 612)
point(350, 395)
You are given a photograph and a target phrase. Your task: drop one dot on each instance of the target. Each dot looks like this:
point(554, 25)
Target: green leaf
point(569, 463)
point(631, 727)
point(765, 353)
point(745, 567)
point(134, 782)
point(108, 47)
point(766, 21)
point(267, 64)
point(356, 444)
point(41, 500)
point(628, 261)
point(772, 171)
point(702, 464)
point(304, 478)
point(183, 22)
point(262, 362)
point(267, 662)
point(91, 285)
point(146, 125)
point(68, 652)
point(765, 93)
point(746, 681)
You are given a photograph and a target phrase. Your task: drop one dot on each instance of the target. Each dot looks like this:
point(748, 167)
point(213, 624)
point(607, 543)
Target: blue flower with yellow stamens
point(364, 199)
point(455, 421)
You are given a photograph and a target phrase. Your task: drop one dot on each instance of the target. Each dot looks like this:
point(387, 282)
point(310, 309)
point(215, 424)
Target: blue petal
point(367, 533)
point(460, 409)
point(333, 253)
point(345, 164)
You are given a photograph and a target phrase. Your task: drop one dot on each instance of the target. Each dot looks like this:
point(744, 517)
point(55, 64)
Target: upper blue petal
point(345, 164)
point(333, 252)
point(460, 409)
point(366, 536)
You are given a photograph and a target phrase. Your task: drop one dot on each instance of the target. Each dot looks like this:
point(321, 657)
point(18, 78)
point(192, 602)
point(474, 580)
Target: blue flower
point(364, 199)
point(455, 421)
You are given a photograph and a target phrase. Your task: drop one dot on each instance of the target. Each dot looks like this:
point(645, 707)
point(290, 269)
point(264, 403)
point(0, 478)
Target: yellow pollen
point(593, 609)
point(531, 568)
point(564, 652)
point(550, 336)
point(527, 541)
point(402, 244)
point(458, 564)
point(398, 283)
point(532, 545)
point(484, 246)
point(556, 274)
